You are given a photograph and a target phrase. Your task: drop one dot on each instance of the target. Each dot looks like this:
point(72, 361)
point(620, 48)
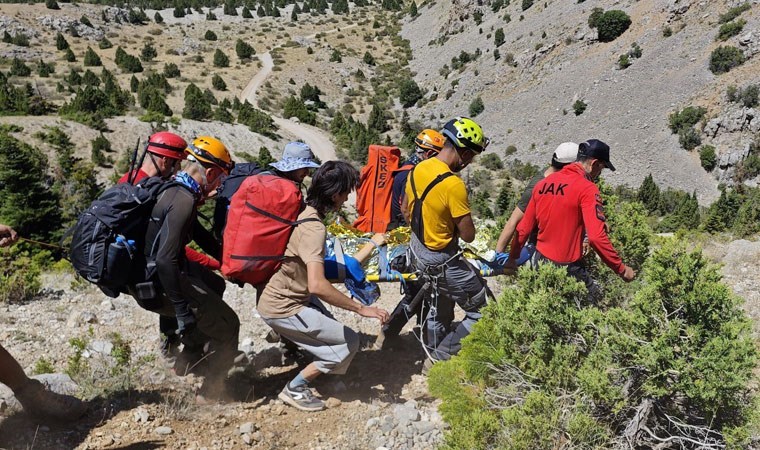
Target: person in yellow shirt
point(439, 213)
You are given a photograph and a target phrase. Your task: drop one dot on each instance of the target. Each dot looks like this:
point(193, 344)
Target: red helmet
point(167, 144)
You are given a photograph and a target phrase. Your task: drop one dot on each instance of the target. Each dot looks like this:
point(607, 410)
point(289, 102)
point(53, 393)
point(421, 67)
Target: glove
point(501, 258)
point(192, 338)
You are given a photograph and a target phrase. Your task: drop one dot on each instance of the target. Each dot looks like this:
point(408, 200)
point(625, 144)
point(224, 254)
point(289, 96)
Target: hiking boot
point(45, 404)
point(170, 347)
point(301, 398)
point(190, 361)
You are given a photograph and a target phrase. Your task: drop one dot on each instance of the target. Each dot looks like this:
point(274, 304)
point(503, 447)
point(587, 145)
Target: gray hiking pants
point(333, 344)
point(458, 283)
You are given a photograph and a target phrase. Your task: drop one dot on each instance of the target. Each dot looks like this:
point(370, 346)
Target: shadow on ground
point(21, 431)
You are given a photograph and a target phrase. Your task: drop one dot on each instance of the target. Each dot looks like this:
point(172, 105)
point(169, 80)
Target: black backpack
point(108, 238)
point(224, 194)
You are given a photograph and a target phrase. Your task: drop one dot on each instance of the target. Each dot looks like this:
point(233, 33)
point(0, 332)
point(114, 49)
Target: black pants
point(401, 314)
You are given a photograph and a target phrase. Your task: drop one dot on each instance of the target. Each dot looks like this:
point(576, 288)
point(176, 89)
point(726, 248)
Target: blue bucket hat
point(297, 155)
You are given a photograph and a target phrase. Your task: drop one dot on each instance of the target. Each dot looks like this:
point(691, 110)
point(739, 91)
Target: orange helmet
point(209, 150)
point(429, 141)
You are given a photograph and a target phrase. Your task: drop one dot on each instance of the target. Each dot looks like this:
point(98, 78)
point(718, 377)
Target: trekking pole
point(132, 167)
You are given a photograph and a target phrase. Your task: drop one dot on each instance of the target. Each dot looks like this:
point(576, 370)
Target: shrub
point(196, 106)
point(747, 96)
point(498, 37)
point(409, 92)
point(725, 58)
point(734, 12)
point(244, 50)
point(171, 70)
point(148, 52)
point(52, 4)
point(689, 138)
point(19, 69)
point(209, 36)
point(686, 118)
point(104, 44)
point(476, 106)
point(91, 58)
point(707, 157)
point(295, 107)
point(335, 56)
point(624, 62)
point(220, 59)
point(526, 4)
point(218, 83)
point(492, 161)
point(537, 371)
point(579, 107)
point(730, 29)
point(612, 24)
point(21, 40)
point(368, 59)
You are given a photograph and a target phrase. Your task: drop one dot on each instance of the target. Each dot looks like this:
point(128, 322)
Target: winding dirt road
point(318, 140)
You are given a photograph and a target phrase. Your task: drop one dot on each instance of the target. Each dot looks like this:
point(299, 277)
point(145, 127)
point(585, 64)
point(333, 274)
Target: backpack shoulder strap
point(418, 226)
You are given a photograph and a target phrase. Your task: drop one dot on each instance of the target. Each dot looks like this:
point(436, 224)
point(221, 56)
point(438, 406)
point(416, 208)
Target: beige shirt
point(287, 291)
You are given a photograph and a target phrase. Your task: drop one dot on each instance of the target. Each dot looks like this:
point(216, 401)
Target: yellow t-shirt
point(445, 202)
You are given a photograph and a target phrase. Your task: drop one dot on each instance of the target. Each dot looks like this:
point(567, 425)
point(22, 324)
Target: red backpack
point(373, 198)
point(260, 220)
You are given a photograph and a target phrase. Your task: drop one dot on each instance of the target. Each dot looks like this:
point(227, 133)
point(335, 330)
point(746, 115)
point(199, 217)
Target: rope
point(44, 244)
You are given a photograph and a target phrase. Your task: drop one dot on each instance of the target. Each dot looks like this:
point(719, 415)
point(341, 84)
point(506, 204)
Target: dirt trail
point(318, 140)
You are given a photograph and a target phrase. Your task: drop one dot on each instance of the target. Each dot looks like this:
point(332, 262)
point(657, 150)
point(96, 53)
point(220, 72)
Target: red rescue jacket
point(562, 206)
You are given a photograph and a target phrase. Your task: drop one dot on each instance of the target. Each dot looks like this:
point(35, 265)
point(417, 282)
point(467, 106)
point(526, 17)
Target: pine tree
point(376, 119)
point(649, 194)
point(134, 84)
point(91, 58)
point(196, 105)
point(220, 59)
point(179, 12)
point(246, 13)
point(60, 42)
point(148, 52)
point(265, 157)
point(340, 7)
point(504, 199)
point(218, 83)
point(27, 203)
point(294, 15)
point(69, 55)
point(158, 18)
point(260, 12)
point(413, 9)
point(498, 37)
point(244, 50)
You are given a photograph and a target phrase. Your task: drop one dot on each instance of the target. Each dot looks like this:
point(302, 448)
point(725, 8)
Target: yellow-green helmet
point(465, 133)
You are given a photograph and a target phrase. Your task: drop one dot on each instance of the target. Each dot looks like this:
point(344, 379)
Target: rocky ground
point(382, 402)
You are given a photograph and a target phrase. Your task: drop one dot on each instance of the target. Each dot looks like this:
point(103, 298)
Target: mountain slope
point(529, 105)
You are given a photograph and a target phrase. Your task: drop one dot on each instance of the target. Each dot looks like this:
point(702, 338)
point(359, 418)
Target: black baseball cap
point(594, 148)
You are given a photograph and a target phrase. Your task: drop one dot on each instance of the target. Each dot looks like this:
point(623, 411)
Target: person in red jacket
point(163, 155)
point(563, 207)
